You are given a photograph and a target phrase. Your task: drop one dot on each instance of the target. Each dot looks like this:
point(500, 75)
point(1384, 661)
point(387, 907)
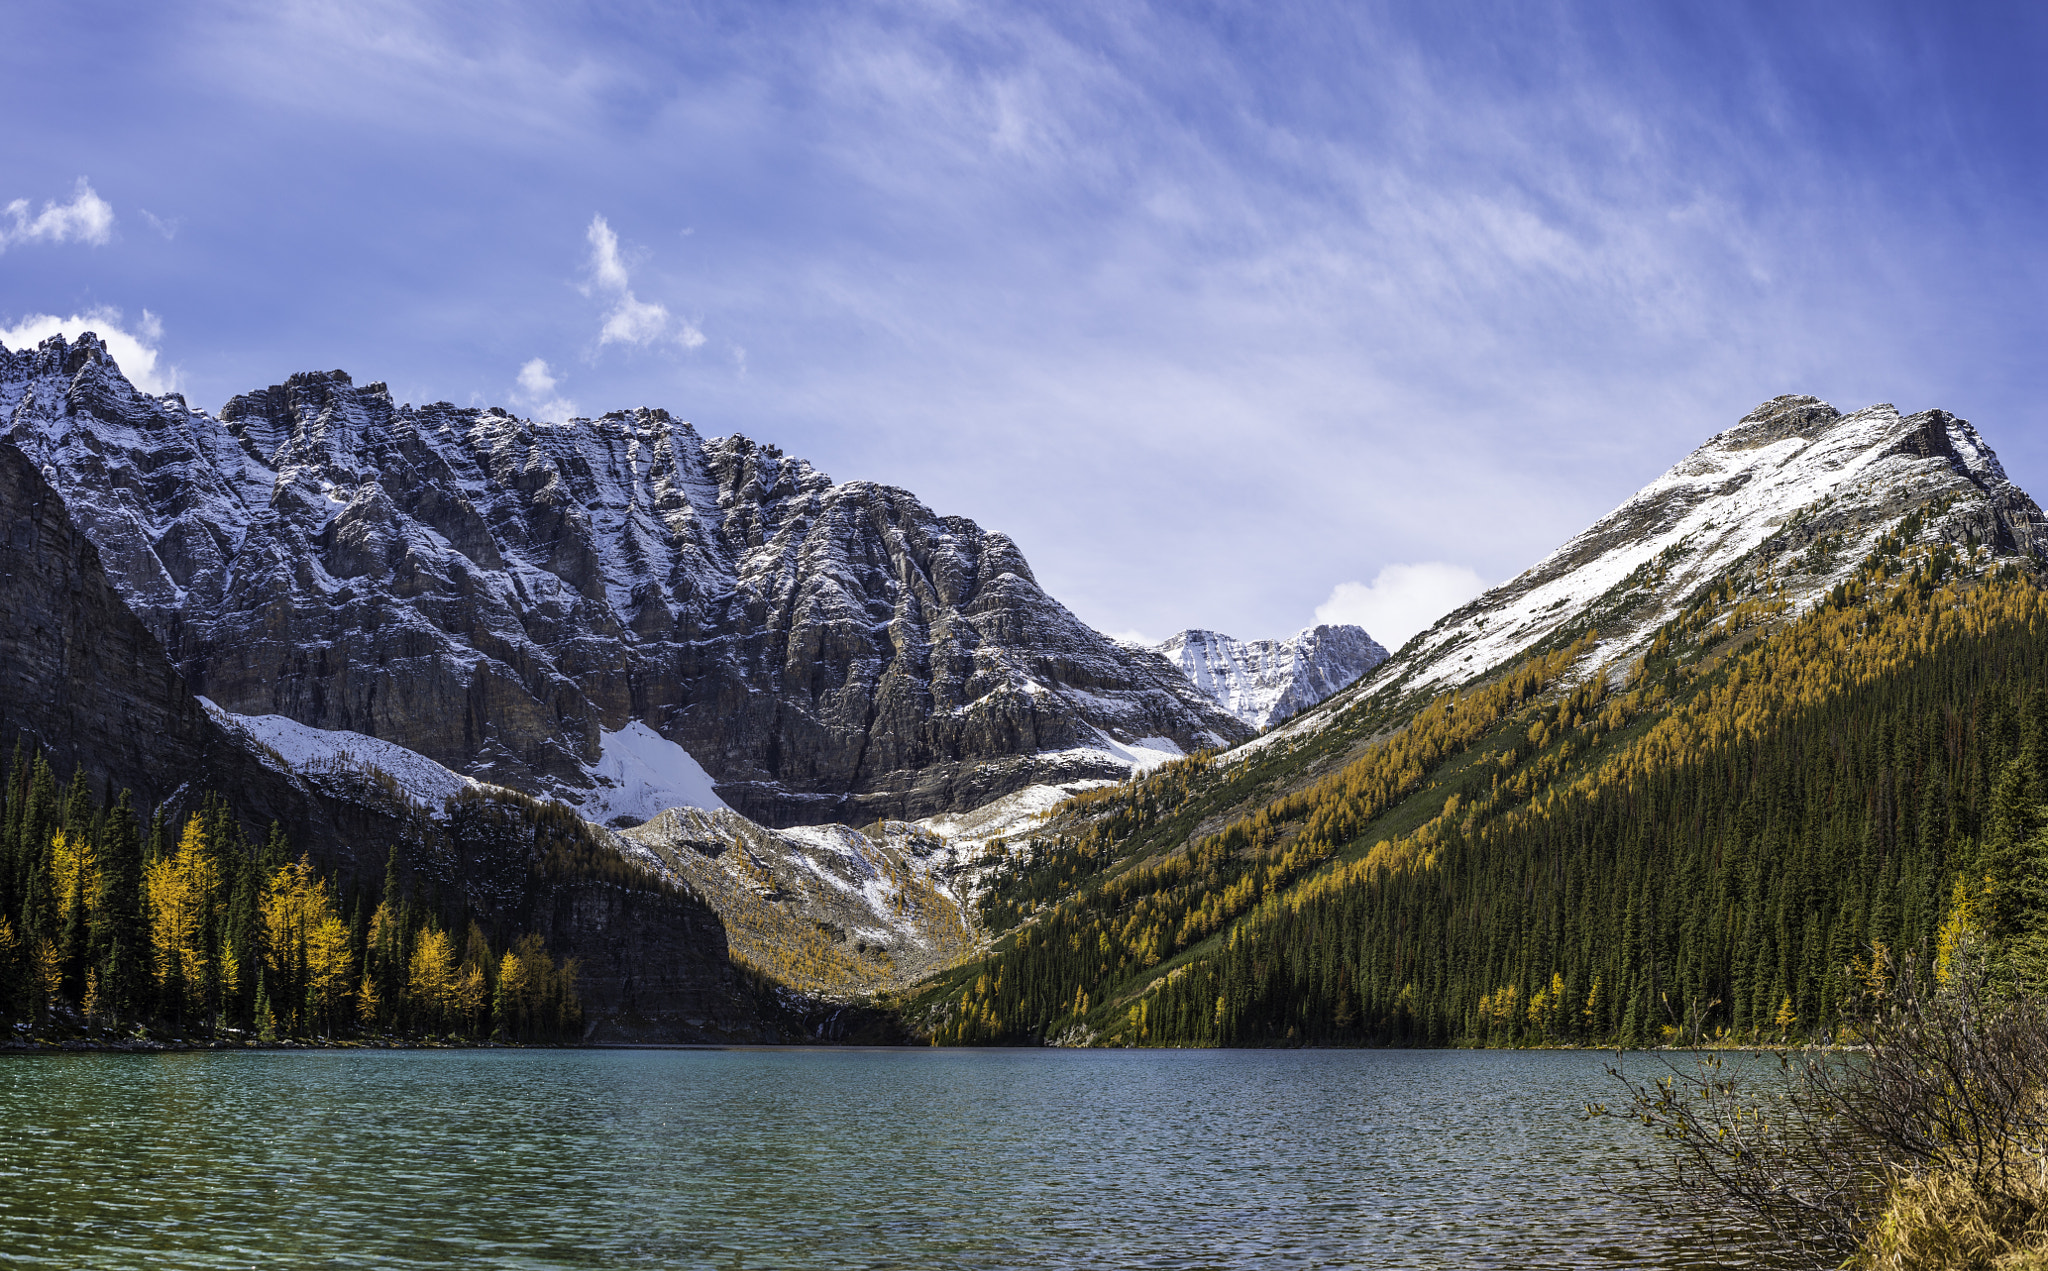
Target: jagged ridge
point(1265, 681)
point(496, 593)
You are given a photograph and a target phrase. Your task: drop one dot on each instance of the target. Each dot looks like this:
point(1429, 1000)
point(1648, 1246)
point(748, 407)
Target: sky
point(1232, 316)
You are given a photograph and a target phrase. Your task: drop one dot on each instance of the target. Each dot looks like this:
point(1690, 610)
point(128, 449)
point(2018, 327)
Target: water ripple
point(775, 1158)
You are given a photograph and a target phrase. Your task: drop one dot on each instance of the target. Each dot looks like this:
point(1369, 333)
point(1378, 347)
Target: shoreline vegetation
point(1924, 1147)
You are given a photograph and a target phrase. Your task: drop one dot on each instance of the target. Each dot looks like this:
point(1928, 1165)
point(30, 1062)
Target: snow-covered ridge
point(1262, 681)
point(510, 598)
point(1792, 473)
point(294, 748)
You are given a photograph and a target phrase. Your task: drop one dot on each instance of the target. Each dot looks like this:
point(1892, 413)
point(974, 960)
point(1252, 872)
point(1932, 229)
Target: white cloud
point(631, 320)
point(167, 226)
point(605, 264)
point(87, 218)
point(1401, 599)
point(535, 393)
point(535, 379)
point(134, 351)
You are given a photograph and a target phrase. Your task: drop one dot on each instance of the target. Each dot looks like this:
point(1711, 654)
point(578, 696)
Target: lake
point(757, 1158)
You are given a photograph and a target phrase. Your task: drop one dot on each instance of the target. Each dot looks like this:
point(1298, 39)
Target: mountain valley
point(751, 746)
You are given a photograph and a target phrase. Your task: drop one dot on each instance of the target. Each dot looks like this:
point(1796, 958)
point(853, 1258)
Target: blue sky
point(1215, 309)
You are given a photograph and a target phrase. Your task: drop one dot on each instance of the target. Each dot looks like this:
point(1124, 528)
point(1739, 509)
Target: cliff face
point(503, 596)
point(84, 679)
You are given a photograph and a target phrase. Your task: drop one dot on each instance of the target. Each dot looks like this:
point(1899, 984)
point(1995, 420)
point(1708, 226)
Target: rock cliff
point(85, 680)
point(504, 596)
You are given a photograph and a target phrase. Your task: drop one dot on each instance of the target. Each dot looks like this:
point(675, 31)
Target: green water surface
point(821, 1158)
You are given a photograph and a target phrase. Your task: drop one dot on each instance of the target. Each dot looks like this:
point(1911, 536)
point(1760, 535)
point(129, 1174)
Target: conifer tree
point(119, 942)
point(39, 918)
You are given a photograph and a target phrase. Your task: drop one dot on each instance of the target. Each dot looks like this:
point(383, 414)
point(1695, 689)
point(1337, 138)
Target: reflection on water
point(776, 1158)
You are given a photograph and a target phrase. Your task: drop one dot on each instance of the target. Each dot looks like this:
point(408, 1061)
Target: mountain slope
point(1795, 486)
point(507, 597)
point(1420, 857)
point(1265, 681)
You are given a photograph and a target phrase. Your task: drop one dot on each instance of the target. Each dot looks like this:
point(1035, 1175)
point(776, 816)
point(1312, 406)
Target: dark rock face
point(83, 678)
point(86, 681)
point(653, 968)
point(497, 593)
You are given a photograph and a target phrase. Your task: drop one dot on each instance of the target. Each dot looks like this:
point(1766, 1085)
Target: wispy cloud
point(1363, 284)
point(166, 226)
point(535, 392)
point(630, 320)
point(87, 218)
point(134, 349)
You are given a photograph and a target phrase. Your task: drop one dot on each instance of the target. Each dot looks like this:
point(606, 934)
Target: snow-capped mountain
point(1796, 490)
point(569, 609)
point(1264, 681)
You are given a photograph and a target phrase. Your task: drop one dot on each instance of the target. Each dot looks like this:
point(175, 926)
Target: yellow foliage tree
point(74, 873)
point(302, 929)
point(430, 980)
point(49, 973)
point(1959, 930)
point(181, 890)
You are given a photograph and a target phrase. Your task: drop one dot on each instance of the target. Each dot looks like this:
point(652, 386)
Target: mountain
point(576, 609)
point(1265, 681)
point(1789, 700)
point(85, 683)
point(1796, 488)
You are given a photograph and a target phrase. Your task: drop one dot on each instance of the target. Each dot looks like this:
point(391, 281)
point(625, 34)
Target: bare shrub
point(1937, 1093)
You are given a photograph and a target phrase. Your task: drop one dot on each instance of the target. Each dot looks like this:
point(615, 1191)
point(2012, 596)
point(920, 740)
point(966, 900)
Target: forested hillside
point(107, 921)
point(1566, 851)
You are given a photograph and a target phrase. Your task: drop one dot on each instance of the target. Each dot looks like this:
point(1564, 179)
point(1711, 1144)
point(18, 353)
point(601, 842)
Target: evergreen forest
point(1707, 843)
point(111, 920)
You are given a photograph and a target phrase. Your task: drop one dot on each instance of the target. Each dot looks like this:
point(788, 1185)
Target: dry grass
point(1941, 1222)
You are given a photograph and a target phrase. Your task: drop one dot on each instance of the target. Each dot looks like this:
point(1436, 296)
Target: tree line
point(111, 919)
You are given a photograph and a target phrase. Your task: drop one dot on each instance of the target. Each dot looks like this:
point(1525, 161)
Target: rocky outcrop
point(85, 681)
point(497, 593)
point(1264, 681)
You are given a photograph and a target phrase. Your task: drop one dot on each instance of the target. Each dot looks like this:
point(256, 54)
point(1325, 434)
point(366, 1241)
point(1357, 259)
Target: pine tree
point(119, 942)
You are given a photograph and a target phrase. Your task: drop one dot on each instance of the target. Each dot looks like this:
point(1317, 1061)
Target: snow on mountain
point(1262, 681)
point(1796, 486)
point(512, 599)
point(825, 908)
point(294, 748)
point(640, 774)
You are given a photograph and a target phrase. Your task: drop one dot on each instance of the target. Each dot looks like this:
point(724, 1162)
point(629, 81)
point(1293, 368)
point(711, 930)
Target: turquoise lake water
point(822, 1158)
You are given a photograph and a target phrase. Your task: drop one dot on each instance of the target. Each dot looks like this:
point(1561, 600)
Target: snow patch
point(640, 774)
point(304, 749)
point(1015, 811)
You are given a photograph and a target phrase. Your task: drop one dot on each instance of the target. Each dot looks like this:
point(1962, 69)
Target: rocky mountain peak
point(507, 596)
point(1265, 681)
point(1797, 492)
